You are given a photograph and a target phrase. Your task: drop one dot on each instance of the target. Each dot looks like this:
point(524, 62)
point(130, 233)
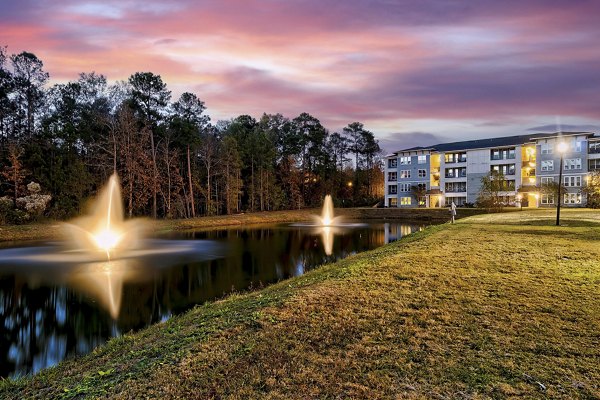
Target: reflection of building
point(451, 172)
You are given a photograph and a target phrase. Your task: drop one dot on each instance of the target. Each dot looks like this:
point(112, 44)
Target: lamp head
point(562, 147)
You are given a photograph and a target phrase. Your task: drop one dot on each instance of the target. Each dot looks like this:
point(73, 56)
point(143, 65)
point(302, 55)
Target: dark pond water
point(54, 306)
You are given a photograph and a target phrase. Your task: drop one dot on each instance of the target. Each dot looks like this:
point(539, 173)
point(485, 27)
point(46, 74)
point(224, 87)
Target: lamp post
point(520, 200)
point(562, 147)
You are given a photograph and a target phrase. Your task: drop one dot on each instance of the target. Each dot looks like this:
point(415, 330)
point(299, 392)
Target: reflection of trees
point(40, 325)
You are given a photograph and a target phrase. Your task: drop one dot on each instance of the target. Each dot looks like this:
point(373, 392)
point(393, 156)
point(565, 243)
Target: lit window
point(404, 160)
point(405, 201)
point(393, 202)
point(404, 174)
point(422, 159)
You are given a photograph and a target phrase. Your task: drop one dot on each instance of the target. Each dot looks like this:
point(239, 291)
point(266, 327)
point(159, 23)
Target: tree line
point(173, 161)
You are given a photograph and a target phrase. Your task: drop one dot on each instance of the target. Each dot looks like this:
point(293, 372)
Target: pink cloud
point(376, 61)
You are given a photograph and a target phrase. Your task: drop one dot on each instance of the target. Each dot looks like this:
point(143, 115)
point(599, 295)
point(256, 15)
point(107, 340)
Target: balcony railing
point(460, 175)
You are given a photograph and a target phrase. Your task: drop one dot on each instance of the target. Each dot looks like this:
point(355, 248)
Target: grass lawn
point(494, 306)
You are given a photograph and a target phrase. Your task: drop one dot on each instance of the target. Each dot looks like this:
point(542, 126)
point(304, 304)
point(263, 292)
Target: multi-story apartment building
point(438, 175)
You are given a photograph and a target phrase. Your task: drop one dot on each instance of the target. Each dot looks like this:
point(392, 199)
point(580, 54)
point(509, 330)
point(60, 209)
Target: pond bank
point(493, 306)
point(52, 230)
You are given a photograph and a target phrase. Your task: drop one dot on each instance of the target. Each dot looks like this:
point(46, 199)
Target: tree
point(419, 192)
point(551, 189)
point(231, 165)
point(14, 173)
point(6, 104)
point(150, 97)
point(29, 78)
point(188, 121)
point(490, 194)
point(592, 189)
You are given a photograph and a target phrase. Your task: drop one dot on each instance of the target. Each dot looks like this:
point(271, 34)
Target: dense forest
point(172, 160)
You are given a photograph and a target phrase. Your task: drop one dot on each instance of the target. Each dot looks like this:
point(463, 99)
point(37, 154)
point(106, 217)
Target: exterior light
point(562, 148)
point(519, 199)
point(349, 184)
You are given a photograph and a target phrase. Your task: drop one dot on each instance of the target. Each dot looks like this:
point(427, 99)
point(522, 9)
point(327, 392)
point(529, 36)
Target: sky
point(415, 72)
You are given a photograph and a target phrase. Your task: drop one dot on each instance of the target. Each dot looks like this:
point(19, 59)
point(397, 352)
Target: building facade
point(438, 175)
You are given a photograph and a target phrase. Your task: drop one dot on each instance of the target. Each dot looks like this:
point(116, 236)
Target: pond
point(51, 309)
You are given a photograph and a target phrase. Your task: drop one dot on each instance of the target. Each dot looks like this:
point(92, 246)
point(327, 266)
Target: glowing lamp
point(562, 147)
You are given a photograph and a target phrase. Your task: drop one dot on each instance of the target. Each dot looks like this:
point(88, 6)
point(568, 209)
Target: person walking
point(452, 212)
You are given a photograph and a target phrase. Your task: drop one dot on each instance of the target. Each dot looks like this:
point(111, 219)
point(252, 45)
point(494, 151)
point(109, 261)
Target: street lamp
point(562, 148)
point(520, 200)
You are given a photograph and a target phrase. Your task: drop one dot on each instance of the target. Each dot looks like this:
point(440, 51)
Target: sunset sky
point(414, 72)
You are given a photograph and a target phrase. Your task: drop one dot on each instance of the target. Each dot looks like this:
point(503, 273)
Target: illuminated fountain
point(327, 225)
point(104, 251)
point(105, 229)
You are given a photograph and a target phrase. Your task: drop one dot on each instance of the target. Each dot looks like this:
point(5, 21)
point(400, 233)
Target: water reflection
point(59, 307)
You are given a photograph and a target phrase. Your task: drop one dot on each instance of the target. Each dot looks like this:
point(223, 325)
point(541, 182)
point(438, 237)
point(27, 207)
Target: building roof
point(492, 142)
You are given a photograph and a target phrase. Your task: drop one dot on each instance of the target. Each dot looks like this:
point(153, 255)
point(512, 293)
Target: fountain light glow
point(327, 218)
point(107, 239)
point(105, 229)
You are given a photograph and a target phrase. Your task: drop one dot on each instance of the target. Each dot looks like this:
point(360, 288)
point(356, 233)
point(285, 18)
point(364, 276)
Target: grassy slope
point(494, 306)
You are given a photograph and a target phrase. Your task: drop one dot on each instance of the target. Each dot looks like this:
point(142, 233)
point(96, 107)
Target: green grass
point(499, 306)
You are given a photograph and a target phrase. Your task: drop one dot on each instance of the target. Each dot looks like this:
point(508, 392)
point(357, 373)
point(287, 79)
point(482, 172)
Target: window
point(594, 147)
point(458, 201)
point(572, 163)
point(405, 187)
point(404, 160)
point(503, 154)
point(422, 159)
point(455, 157)
point(547, 199)
point(456, 172)
point(405, 173)
point(548, 165)
point(405, 201)
point(421, 186)
point(504, 169)
point(392, 163)
point(422, 173)
point(422, 201)
point(454, 187)
point(594, 164)
point(577, 146)
point(546, 180)
point(572, 198)
point(392, 189)
point(393, 202)
point(392, 176)
point(547, 148)
point(572, 181)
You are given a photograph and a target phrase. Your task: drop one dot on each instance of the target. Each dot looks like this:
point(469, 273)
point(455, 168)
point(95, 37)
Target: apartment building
point(438, 175)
